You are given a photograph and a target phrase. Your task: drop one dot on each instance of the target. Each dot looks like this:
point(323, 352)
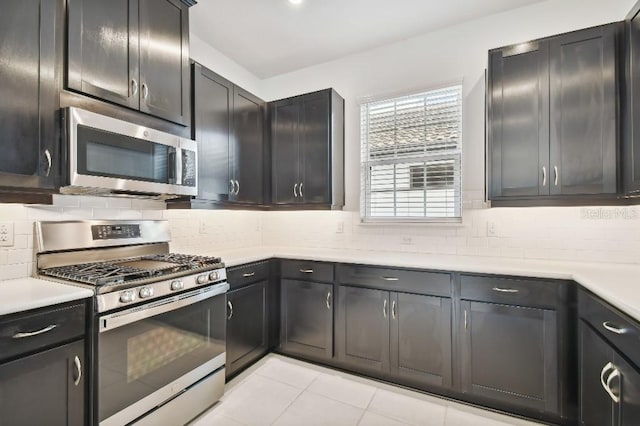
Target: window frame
point(457, 155)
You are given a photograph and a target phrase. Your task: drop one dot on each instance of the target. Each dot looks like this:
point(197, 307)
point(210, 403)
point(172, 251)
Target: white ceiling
point(271, 37)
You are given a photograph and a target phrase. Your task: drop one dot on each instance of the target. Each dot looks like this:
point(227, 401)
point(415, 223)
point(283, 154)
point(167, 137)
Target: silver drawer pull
point(306, 271)
point(251, 274)
point(76, 362)
point(230, 305)
point(609, 326)
point(606, 384)
point(391, 279)
point(34, 333)
point(506, 290)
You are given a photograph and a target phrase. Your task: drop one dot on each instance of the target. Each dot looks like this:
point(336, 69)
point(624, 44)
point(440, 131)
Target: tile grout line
point(366, 409)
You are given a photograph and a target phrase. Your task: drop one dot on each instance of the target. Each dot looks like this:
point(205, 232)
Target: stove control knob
point(202, 279)
point(177, 285)
point(214, 276)
point(146, 292)
point(127, 296)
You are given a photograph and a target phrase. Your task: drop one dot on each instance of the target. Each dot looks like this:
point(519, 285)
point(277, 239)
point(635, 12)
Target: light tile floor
point(282, 391)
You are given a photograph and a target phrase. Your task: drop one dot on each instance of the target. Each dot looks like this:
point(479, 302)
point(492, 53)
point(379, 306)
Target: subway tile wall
point(592, 234)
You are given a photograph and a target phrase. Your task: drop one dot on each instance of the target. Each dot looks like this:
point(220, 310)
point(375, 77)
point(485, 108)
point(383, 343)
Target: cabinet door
point(212, 129)
point(596, 407)
point(248, 151)
point(628, 388)
point(103, 50)
point(307, 318)
point(363, 322)
point(285, 117)
point(584, 108)
point(164, 59)
point(631, 155)
point(47, 388)
point(315, 143)
point(246, 325)
point(421, 339)
point(518, 121)
point(29, 129)
point(509, 355)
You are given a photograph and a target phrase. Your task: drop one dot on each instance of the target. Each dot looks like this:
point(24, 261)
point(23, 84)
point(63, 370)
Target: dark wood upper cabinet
point(228, 124)
point(519, 121)
point(553, 117)
point(584, 108)
point(30, 42)
point(247, 154)
point(133, 53)
point(631, 95)
point(307, 142)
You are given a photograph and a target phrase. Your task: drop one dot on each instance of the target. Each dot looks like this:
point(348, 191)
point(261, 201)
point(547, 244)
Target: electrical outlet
point(340, 228)
point(491, 229)
point(6, 234)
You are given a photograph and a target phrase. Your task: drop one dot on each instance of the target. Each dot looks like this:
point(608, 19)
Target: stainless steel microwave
point(111, 156)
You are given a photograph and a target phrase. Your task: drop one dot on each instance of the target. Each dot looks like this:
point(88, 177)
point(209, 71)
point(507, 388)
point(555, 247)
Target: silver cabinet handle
point(393, 309)
point(606, 384)
point(555, 174)
point(237, 187)
point(145, 91)
point(251, 274)
point(233, 188)
point(78, 364)
point(609, 326)
point(384, 308)
point(544, 175)
point(391, 279)
point(230, 305)
point(295, 191)
point(306, 271)
point(47, 155)
point(34, 333)
point(506, 290)
point(466, 322)
point(134, 87)
point(328, 301)
point(301, 186)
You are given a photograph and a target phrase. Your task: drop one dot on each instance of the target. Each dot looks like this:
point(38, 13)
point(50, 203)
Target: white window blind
point(411, 157)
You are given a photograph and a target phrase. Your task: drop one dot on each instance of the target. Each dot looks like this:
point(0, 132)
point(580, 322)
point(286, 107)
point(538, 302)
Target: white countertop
point(618, 284)
point(24, 294)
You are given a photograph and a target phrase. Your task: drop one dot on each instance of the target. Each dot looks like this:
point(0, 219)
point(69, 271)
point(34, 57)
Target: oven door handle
point(137, 313)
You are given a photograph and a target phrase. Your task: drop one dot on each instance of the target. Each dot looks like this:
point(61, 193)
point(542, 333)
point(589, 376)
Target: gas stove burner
point(97, 273)
point(185, 259)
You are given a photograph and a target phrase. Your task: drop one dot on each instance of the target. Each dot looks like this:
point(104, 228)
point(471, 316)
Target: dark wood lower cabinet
point(421, 339)
point(306, 319)
point(247, 326)
point(509, 355)
point(363, 327)
point(403, 336)
point(41, 389)
point(609, 385)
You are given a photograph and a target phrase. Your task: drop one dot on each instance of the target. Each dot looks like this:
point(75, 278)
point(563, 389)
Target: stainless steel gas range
point(158, 344)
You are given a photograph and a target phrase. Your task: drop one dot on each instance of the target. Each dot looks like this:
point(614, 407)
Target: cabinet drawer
point(34, 331)
point(239, 276)
point(616, 327)
point(307, 270)
point(509, 291)
point(428, 283)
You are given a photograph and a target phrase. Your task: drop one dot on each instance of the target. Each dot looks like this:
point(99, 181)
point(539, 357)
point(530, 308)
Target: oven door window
point(106, 154)
point(137, 359)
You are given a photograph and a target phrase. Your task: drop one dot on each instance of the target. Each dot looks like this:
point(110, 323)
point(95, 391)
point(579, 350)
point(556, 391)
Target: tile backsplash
point(592, 234)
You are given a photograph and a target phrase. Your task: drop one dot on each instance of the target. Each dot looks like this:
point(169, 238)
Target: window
point(411, 157)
